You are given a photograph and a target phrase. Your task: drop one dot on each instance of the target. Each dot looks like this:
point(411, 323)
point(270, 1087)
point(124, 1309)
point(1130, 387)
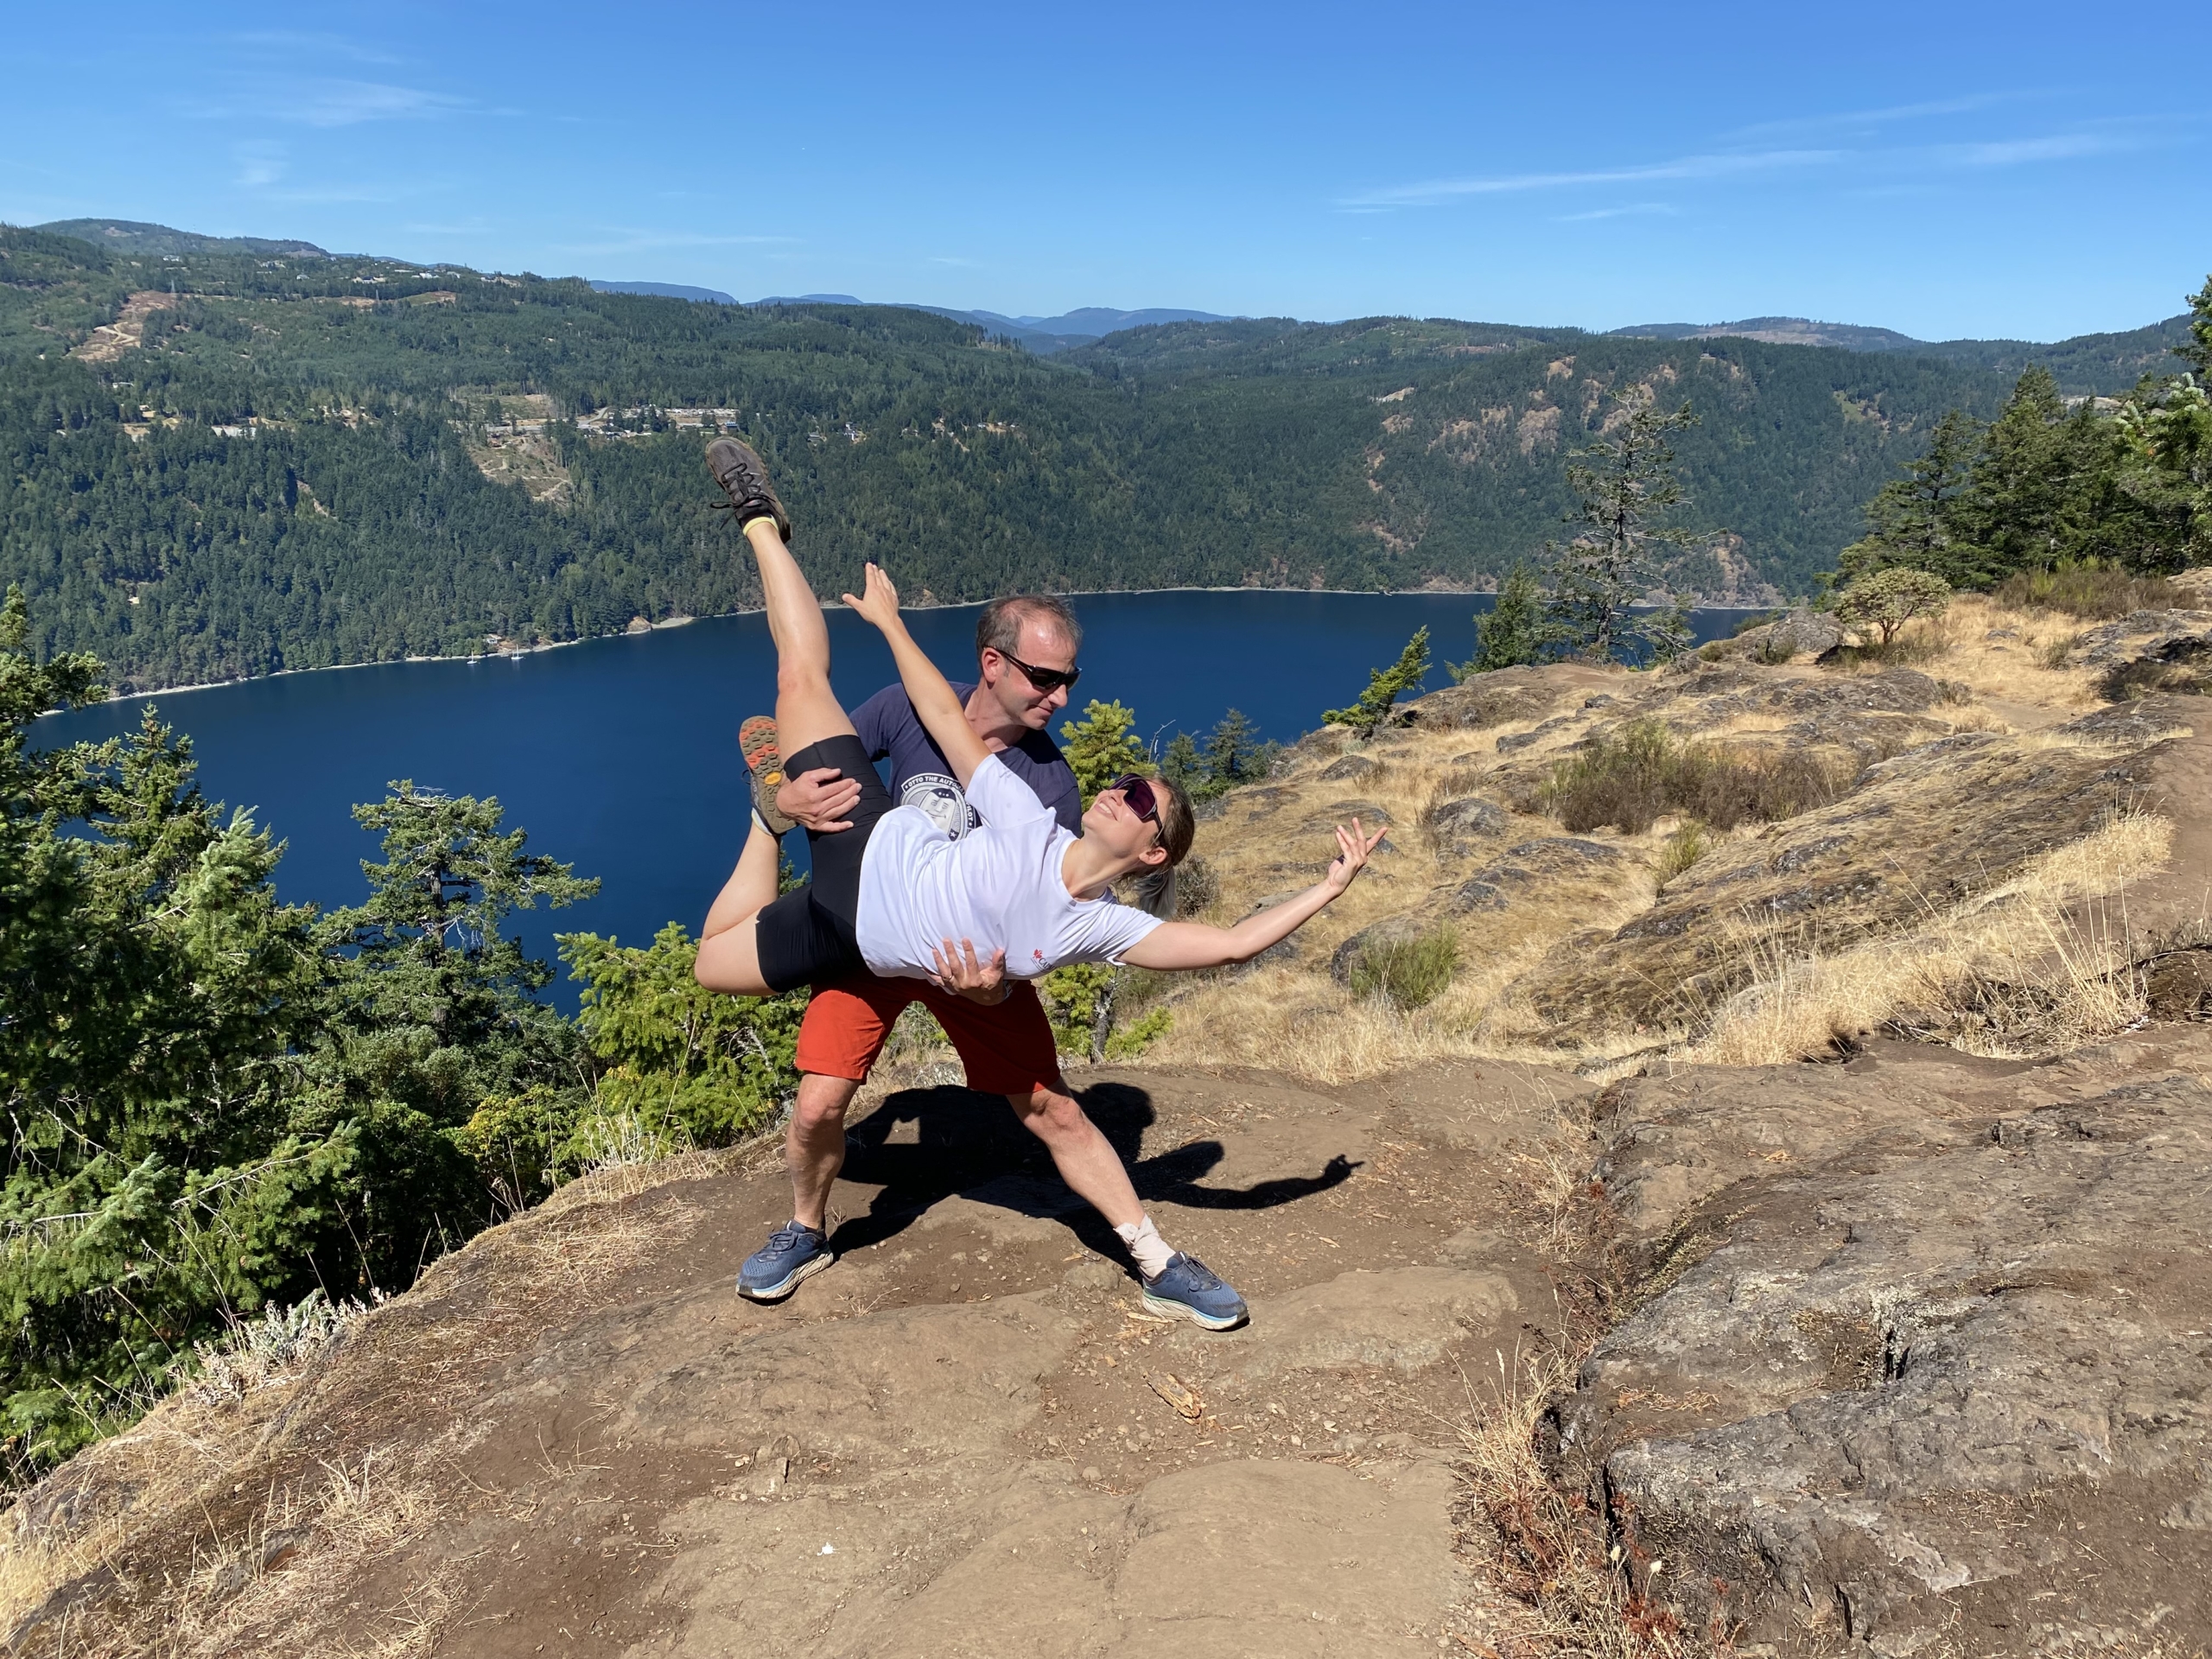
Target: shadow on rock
point(971, 1145)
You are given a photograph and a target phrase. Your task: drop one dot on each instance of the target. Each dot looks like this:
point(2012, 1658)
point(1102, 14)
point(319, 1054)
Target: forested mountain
point(227, 463)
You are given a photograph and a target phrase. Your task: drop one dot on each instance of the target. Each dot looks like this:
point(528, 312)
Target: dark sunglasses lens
point(1050, 679)
point(1138, 795)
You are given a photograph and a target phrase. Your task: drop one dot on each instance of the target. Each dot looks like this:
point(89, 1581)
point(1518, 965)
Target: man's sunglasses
point(1047, 680)
point(1136, 795)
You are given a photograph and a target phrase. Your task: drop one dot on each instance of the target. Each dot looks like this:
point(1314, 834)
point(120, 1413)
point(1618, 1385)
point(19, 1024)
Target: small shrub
point(1139, 1035)
point(1411, 973)
point(2094, 590)
point(1683, 848)
point(1885, 600)
point(2055, 654)
point(1643, 772)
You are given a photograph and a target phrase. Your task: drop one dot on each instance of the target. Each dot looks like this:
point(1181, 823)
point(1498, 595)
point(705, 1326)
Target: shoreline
point(626, 633)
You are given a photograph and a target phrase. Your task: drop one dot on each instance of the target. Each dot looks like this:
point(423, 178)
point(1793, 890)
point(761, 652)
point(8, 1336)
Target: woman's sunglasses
point(1047, 680)
point(1136, 795)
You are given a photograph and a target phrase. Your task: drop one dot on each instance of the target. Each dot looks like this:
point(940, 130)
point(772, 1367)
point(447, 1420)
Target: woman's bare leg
point(807, 710)
point(729, 959)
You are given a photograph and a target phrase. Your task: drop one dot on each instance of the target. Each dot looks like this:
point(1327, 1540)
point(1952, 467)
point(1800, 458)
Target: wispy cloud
point(1863, 120)
point(1432, 192)
point(948, 259)
point(1664, 208)
point(629, 241)
point(2017, 152)
point(260, 164)
point(328, 102)
point(2091, 139)
point(292, 44)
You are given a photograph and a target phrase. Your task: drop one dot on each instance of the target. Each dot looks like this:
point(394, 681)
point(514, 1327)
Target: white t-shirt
point(998, 885)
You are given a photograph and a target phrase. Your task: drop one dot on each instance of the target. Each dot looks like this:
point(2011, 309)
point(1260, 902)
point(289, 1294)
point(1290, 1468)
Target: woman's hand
point(1353, 846)
point(959, 972)
point(880, 605)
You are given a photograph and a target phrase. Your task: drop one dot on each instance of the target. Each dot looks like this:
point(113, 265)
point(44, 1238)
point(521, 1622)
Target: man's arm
point(819, 800)
point(931, 694)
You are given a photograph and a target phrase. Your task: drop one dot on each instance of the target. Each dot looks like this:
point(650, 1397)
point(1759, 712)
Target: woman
point(893, 892)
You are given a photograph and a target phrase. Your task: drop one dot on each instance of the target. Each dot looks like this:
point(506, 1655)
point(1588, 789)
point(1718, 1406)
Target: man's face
point(1042, 645)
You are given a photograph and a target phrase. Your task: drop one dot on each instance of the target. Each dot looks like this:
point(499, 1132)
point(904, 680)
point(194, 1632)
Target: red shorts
point(1007, 1048)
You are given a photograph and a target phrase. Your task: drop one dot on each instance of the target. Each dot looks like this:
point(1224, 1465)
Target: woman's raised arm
point(1194, 944)
point(935, 703)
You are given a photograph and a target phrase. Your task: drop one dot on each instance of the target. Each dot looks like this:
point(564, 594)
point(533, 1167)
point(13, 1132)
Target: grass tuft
point(1409, 973)
point(1643, 772)
point(2095, 592)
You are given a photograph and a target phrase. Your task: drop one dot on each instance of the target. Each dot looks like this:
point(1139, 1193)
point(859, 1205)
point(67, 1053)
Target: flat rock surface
point(1929, 1350)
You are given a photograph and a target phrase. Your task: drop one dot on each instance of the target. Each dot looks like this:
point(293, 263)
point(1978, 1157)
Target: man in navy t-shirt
point(921, 776)
point(1026, 649)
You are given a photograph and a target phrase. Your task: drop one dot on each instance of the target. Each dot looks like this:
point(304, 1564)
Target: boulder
point(1456, 823)
point(1352, 769)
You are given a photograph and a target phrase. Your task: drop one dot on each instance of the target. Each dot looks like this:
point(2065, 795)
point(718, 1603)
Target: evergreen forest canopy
point(227, 463)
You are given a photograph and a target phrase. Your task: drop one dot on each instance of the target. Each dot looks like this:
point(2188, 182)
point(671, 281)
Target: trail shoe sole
point(1187, 1289)
point(794, 1253)
point(739, 470)
point(757, 742)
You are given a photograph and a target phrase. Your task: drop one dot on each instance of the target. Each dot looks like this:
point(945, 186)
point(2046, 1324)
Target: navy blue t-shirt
point(921, 776)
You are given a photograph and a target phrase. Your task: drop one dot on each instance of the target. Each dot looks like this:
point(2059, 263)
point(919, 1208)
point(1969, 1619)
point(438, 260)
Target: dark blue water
point(620, 755)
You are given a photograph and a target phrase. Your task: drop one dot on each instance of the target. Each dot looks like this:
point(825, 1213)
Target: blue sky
point(2027, 169)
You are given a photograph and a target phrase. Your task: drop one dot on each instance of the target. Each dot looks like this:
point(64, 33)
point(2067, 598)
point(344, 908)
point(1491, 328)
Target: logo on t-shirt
point(942, 800)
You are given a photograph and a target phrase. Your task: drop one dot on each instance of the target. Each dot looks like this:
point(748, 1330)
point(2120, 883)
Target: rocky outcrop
point(1920, 832)
point(1923, 1348)
point(2150, 651)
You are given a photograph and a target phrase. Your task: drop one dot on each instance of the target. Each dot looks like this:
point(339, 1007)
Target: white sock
point(1146, 1245)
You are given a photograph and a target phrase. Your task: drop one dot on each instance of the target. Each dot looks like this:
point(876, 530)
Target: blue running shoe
point(1186, 1289)
point(793, 1252)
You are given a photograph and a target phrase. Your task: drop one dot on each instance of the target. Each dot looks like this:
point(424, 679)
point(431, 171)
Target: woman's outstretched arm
point(1193, 944)
point(935, 702)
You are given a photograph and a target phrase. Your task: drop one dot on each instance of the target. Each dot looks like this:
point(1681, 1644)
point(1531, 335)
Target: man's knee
point(1049, 1111)
point(822, 1102)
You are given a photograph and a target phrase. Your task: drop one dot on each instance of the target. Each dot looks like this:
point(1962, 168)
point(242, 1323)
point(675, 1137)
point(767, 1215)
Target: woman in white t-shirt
point(1014, 899)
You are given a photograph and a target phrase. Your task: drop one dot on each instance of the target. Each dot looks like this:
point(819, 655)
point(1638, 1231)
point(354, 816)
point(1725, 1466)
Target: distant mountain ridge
point(1782, 331)
point(666, 291)
point(136, 235)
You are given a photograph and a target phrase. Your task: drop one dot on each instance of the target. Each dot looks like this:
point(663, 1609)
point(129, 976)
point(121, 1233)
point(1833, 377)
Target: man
point(1025, 650)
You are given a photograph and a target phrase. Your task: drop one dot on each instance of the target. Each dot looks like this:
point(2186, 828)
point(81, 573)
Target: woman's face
point(1119, 831)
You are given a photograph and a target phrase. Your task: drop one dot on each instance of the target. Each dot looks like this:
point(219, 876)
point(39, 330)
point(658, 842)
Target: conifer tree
point(1626, 486)
point(1385, 687)
point(1511, 635)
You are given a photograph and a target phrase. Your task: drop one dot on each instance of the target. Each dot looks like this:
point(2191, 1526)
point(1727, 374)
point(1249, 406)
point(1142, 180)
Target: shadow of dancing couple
point(977, 869)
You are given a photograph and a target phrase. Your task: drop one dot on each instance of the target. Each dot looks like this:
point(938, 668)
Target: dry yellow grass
point(2010, 972)
point(2010, 668)
point(1294, 1018)
point(1550, 1553)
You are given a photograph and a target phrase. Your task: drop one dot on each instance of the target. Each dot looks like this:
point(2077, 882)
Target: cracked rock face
point(1930, 1348)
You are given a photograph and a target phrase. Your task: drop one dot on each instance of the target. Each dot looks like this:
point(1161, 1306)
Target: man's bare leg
point(814, 1147)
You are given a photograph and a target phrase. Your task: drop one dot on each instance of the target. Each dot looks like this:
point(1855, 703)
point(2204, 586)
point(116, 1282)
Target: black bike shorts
point(808, 937)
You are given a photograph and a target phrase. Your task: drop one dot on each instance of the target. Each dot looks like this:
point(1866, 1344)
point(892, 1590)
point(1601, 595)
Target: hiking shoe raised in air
point(794, 1251)
point(745, 480)
point(1187, 1289)
point(764, 759)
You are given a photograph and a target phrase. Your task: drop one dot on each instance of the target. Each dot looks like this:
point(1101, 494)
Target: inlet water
point(620, 755)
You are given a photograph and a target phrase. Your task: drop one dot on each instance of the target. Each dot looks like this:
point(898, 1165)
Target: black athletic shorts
point(807, 937)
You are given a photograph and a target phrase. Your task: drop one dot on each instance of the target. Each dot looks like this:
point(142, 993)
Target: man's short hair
point(1000, 627)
